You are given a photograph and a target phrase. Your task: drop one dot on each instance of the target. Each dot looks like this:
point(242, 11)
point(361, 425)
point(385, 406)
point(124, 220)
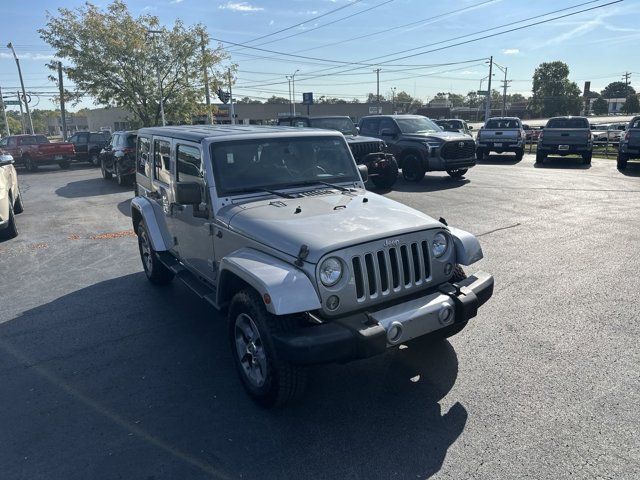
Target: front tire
point(412, 168)
point(622, 162)
point(457, 173)
point(105, 174)
point(18, 206)
point(156, 271)
point(586, 158)
point(387, 177)
point(269, 381)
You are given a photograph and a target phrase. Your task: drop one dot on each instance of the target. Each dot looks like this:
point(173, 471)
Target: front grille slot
point(361, 149)
point(391, 270)
point(453, 150)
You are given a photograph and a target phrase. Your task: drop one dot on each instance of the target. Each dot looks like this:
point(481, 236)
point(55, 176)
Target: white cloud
point(176, 1)
point(271, 22)
point(510, 51)
point(240, 7)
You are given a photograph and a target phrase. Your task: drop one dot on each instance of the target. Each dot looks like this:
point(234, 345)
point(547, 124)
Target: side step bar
point(201, 288)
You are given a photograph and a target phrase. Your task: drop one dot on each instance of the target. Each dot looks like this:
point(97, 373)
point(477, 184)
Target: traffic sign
point(307, 98)
point(12, 102)
point(483, 92)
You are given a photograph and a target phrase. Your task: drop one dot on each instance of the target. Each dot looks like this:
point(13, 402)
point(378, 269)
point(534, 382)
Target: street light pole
point(288, 77)
point(24, 93)
point(293, 89)
point(155, 47)
point(505, 84)
point(487, 108)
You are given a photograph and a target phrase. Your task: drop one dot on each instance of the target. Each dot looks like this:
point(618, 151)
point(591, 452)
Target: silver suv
point(274, 226)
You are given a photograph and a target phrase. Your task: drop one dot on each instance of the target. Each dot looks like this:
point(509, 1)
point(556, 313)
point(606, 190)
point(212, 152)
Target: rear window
point(502, 123)
point(99, 137)
point(131, 141)
point(41, 139)
point(568, 123)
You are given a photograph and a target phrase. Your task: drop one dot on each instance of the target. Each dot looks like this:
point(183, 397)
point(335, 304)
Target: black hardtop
point(197, 133)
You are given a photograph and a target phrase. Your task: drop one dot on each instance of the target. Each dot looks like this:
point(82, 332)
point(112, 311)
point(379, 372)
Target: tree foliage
point(111, 56)
point(553, 92)
point(631, 105)
point(618, 90)
point(248, 101)
point(600, 106)
point(278, 100)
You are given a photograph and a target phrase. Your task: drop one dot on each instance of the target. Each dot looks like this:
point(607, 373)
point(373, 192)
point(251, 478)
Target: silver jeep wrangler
point(274, 225)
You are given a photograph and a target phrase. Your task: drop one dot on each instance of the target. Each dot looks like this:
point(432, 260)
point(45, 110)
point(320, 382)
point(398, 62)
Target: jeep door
point(192, 225)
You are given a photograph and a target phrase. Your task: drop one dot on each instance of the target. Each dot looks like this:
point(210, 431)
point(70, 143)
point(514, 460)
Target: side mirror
point(6, 160)
point(364, 172)
point(387, 132)
point(188, 193)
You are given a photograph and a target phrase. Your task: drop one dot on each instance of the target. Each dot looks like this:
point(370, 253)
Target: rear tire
point(29, 163)
point(105, 174)
point(120, 179)
point(94, 159)
point(11, 230)
point(156, 271)
point(269, 381)
point(387, 177)
point(622, 162)
point(586, 158)
point(64, 164)
point(412, 168)
point(479, 154)
point(519, 155)
point(540, 157)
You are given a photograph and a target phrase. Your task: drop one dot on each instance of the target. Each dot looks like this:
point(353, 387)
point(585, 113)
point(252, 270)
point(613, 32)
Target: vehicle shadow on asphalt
point(499, 160)
point(430, 183)
point(562, 162)
point(123, 379)
point(54, 168)
point(91, 187)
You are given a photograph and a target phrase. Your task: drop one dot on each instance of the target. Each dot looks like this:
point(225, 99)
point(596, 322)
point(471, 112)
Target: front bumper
point(366, 334)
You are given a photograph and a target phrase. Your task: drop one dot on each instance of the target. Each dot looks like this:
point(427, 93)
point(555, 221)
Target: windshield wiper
point(265, 190)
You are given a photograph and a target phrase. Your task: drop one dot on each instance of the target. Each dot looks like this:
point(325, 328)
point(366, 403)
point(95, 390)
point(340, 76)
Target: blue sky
point(599, 45)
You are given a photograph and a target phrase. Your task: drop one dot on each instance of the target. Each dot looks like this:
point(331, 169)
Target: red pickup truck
point(32, 151)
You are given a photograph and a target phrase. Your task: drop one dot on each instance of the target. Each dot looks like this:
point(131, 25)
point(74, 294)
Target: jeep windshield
point(417, 125)
point(343, 125)
point(274, 163)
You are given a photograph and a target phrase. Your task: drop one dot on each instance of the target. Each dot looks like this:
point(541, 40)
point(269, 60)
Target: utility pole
point(290, 106)
point(62, 110)
point(505, 84)
point(487, 108)
point(4, 112)
point(207, 94)
point(24, 93)
point(377, 70)
point(293, 89)
point(231, 109)
point(24, 128)
point(393, 99)
point(626, 77)
point(155, 48)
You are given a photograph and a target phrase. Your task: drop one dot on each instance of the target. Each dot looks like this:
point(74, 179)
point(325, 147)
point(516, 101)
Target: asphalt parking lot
point(103, 375)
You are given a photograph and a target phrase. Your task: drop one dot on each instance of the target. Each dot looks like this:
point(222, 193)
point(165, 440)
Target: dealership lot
point(104, 375)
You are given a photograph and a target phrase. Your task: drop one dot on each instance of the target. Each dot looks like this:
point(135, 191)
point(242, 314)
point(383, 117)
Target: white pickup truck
point(502, 134)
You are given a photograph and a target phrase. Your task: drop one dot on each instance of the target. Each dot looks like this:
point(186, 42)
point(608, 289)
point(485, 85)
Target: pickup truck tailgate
point(565, 136)
point(499, 135)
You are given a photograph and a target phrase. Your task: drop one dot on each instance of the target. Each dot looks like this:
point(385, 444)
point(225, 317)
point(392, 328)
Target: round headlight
point(330, 271)
point(439, 244)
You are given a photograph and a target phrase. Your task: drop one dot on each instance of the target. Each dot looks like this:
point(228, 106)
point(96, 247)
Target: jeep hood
point(325, 222)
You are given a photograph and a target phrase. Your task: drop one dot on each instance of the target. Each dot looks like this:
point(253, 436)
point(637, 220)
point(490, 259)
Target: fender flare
point(468, 249)
point(143, 209)
point(289, 288)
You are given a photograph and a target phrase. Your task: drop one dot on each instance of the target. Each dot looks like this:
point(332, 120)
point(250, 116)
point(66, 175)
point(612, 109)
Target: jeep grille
point(390, 270)
point(453, 150)
point(361, 149)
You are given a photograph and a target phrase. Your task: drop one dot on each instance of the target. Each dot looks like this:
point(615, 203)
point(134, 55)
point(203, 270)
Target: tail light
point(540, 135)
point(589, 136)
point(519, 133)
point(627, 136)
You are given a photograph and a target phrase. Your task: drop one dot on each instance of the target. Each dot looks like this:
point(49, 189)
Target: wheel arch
point(284, 288)
point(468, 249)
point(142, 209)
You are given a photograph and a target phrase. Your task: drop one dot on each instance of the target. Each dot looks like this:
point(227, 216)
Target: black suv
point(382, 166)
point(422, 146)
point(88, 145)
point(117, 158)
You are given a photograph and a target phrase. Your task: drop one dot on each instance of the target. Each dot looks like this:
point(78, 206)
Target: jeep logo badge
point(391, 243)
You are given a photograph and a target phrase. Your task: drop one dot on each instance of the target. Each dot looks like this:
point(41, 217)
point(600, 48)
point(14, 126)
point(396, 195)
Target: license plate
point(563, 147)
point(58, 157)
point(497, 144)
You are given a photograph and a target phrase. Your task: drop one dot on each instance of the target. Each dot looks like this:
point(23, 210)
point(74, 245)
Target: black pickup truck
point(369, 151)
point(88, 145)
point(565, 136)
point(629, 144)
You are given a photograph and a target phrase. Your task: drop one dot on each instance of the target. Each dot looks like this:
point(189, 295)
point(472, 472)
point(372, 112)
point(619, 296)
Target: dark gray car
point(565, 136)
point(629, 144)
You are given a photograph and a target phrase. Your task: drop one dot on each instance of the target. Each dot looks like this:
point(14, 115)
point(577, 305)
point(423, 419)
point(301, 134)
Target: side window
point(388, 124)
point(142, 155)
point(188, 164)
point(370, 126)
point(161, 161)
point(12, 142)
point(114, 141)
point(82, 138)
point(28, 140)
point(3, 142)
point(73, 139)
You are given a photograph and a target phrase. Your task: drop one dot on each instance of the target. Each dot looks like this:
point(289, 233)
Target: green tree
point(618, 90)
point(553, 92)
point(516, 98)
point(373, 98)
point(277, 100)
point(472, 100)
point(456, 99)
point(631, 105)
point(248, 101)
point(111, 56)
point(600, 106)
